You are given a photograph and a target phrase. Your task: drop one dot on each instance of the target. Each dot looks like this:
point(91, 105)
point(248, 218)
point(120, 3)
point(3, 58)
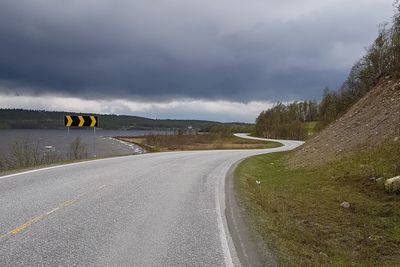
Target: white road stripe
point(50, 212)
point(221, 228)
point(57, 166)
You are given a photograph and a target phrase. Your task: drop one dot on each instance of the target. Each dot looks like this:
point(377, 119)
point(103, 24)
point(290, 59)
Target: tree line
point(382, 60)
point(286, 121)
point(40, 119)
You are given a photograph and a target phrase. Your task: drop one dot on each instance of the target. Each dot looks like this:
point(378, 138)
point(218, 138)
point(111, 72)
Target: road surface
point(161, 209)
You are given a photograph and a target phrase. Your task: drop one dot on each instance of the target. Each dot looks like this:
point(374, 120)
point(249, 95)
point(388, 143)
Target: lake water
point(59, 141)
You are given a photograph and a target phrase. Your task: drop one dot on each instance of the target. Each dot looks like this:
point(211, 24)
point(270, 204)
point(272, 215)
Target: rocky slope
point(371, 121)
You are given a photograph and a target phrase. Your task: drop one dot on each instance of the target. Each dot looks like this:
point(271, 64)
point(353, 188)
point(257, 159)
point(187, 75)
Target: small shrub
point(24, 154)
point(2, 164)
point(78, 149)
point(50, 157)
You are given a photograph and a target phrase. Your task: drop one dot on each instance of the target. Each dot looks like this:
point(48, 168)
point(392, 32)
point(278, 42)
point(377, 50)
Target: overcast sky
point(206, 59)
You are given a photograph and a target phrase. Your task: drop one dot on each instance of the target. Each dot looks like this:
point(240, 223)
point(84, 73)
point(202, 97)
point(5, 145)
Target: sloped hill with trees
point(379, 66)
point(372, 121)
point(365, 112)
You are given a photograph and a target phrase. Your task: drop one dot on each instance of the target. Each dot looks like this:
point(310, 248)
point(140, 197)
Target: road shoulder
point(250, 247)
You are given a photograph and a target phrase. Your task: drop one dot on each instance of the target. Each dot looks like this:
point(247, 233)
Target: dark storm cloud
point(235, 50)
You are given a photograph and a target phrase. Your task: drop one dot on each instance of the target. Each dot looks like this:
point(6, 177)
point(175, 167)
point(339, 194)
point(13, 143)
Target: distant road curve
point(287, 144)
point(160, 209)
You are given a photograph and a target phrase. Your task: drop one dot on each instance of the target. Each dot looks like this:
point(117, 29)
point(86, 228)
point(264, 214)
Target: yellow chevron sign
point(69, 121)
point(94, 121)
point(80, 121)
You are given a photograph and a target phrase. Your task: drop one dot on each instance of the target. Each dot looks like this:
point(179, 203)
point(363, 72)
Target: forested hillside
point(33, 119)
point(381, 61)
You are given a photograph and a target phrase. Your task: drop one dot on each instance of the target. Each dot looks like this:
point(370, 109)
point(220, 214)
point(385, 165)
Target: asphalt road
point(162, 209)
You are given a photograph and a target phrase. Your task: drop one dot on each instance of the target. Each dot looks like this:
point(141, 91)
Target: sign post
point(94, 141)
point(83, 121)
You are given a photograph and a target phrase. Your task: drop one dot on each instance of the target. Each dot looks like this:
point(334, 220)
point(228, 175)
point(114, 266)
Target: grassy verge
point(298, 212)
point(157, 143)
point(310, 128)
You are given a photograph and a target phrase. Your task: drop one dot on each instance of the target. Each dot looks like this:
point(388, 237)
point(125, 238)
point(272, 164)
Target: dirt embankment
point(373, 120)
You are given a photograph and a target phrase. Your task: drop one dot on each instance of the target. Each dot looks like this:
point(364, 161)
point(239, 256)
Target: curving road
point(162, 209)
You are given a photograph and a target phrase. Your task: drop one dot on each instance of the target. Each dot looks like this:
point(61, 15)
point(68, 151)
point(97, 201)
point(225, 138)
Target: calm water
point(59, 141)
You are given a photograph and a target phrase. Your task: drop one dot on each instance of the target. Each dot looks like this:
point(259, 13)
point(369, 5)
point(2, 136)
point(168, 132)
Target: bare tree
point(78, 149)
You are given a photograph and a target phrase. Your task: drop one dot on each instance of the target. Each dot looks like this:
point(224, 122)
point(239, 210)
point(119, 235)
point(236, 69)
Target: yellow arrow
point(81, 121)
point(93, 121)
point(69, 121)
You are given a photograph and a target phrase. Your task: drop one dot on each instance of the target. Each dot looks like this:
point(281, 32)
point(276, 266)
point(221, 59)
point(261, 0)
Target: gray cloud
point(159, 49)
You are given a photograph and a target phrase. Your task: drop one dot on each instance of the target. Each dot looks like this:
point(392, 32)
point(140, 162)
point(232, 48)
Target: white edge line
point(222, 234)
point(59, 166)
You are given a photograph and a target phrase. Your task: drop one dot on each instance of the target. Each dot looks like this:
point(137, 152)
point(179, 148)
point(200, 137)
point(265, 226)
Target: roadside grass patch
point(298, 212)
point(310, 128)
point(176, 142)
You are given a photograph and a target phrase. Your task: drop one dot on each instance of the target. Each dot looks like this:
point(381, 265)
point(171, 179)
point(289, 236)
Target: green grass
point(310, 128)
point(297, 211)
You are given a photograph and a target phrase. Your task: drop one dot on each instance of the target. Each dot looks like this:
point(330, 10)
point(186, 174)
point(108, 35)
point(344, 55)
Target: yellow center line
point(22, 227)
point(41, 217)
